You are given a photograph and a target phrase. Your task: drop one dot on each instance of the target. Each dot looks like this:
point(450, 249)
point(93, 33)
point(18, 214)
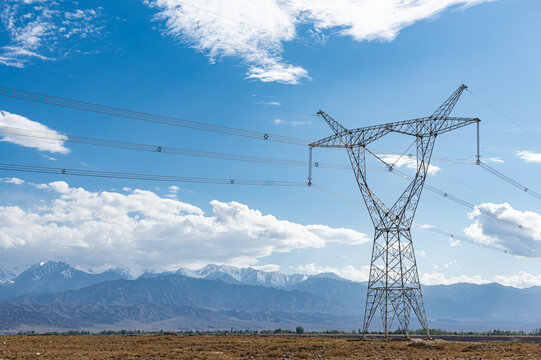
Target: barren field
point(255, 347)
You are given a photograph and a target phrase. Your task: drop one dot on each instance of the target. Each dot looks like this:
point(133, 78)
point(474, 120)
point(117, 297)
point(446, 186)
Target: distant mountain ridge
point(55, 296)
point(55, 276)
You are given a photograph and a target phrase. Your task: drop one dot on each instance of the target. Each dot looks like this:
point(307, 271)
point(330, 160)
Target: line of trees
point(299, 330)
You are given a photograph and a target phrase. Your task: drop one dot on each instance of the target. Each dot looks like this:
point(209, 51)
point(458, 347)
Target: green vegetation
point(536, 332)
point(299, 330)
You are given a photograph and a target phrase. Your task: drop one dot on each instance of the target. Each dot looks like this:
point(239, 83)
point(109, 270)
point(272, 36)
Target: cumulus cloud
point(525, 241)
point(409, 162)
point(13, 180)
point(54, 143)
point(520, 280)
point(436, 278)
point(529, 156)
point(255, 31)
point(347, 272)
point(139, 229)
point(36, 28)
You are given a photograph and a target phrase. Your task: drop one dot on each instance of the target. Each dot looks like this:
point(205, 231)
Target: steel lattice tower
point(394, 285)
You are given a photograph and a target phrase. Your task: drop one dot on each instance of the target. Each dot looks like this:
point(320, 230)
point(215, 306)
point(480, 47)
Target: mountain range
point(53, 296)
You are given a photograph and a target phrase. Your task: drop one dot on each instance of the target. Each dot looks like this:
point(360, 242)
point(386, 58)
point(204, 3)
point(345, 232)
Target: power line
point(445, 195)
point(144, 176)
point(179, 92)
point(163, 149)
point(143, 116)
point(425, 227)
point(48, 135)
point(336, 194)
point(383, 150)
point(475, 188)
point(469, 205)
point(473, 242)
point(504, 115)
point(510, 181)
point(188, 152)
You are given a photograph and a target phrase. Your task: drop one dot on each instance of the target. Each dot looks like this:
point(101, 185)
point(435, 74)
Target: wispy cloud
point(495, 159)
point(255, 31)
point(529, 156)
point(37, 29)
point(290, 123)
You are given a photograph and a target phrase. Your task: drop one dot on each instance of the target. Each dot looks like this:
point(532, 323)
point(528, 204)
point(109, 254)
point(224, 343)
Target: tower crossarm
point(341, 134)
point(452, 123)
point(416, 127)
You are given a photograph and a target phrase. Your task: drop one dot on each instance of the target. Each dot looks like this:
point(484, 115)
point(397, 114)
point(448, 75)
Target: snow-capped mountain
point(6, 276)
point(247, 276)
point(54, 276)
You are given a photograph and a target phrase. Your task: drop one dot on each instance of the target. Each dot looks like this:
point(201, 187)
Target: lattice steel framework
point(394, 285)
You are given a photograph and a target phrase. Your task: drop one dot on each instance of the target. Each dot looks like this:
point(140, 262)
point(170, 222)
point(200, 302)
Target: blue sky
point(381, 61)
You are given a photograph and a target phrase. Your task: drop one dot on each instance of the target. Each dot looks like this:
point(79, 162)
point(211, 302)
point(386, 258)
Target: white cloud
point(255, 31)
point(55, 145)
point(524, 241)
point(290, 123)
point(436, 278)
point(520, 280)
point(13, 180)
point(38, 27)
point(298, 123)
point(224, 28)
point(529, 156)
point(272, 103)
point(496, 159)
point(267, 267)
point(409, 162)
point(347, 272)
point(140, 229)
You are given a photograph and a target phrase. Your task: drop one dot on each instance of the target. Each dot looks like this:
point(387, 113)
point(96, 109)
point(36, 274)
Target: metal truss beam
point(394, 287)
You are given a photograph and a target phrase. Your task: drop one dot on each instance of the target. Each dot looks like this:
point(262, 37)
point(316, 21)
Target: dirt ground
point(254, 347)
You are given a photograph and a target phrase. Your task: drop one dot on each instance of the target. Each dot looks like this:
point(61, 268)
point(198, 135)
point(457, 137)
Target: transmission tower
point(394, 285)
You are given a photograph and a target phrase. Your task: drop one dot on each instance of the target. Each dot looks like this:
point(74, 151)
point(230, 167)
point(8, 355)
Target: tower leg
point(394, 285)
